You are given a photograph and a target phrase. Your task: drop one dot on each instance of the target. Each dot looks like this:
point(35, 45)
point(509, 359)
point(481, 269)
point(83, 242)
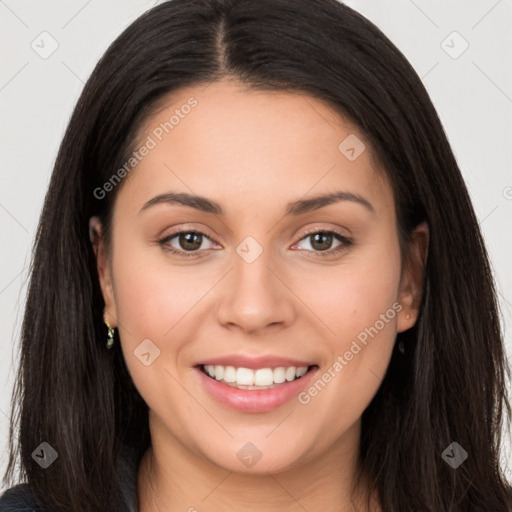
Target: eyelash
point(345, 242)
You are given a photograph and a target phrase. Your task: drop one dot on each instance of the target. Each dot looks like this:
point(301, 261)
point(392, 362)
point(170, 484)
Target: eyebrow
point(295, 208)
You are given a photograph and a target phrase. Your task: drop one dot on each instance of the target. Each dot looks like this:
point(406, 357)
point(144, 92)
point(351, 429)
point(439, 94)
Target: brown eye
point(321, 242)
point(185, 243)
point(190, 241)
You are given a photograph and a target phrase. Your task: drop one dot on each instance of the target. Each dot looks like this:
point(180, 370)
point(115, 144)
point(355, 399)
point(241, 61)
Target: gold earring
point(110, 335)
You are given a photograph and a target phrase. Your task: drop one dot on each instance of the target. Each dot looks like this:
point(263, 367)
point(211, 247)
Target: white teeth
point(279, 375)
point(244, 377)
point(290, 373)
point(262, 377)
point(230, 374)
point(219, 372)
point(302, 371)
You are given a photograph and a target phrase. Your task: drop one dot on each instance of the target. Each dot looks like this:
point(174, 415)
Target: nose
point(255, 297)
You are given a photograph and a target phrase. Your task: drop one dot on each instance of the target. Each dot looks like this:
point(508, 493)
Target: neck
point(172, 478)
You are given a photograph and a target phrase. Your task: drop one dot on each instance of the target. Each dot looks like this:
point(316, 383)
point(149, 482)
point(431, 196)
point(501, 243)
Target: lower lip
point(260, 400)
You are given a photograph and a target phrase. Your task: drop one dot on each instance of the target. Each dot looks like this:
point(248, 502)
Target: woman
point(255, 208)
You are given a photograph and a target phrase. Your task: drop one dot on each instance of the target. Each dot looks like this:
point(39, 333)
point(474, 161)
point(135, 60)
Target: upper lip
point(254, 362)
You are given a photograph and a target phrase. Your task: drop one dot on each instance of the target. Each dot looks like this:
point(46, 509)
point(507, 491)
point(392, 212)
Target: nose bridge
point(255, 298)
point(252, 277)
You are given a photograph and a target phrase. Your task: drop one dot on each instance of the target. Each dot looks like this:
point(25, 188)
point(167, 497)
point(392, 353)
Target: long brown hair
point(450, 386)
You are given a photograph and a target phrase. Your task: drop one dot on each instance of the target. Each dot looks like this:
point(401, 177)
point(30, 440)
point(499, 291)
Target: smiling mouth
point(259, 379)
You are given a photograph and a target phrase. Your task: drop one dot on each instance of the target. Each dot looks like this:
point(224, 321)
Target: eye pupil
point(190, 241)
point(324, 239)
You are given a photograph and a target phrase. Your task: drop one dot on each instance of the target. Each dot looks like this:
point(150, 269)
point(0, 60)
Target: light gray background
point(472, 93)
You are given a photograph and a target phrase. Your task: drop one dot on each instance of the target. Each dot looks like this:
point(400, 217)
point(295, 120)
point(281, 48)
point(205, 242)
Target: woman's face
point(255, 288)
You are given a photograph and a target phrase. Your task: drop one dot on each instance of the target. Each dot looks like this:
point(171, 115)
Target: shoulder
point(19, 499)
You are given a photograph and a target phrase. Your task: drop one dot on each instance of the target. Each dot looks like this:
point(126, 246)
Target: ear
point(411, 282)
point(104, 270)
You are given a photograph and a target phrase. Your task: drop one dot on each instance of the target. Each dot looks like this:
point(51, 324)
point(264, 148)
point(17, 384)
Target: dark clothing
point(20, 499)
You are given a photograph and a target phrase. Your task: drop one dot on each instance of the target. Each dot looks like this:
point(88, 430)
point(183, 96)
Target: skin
point(253, 152)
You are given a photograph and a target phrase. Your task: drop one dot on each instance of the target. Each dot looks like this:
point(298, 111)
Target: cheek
point(152, 296)
point(358, 301)
point(152, 300)
point(352, 297)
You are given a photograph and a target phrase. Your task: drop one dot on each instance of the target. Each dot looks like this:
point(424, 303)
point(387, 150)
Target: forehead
point(226, 141)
